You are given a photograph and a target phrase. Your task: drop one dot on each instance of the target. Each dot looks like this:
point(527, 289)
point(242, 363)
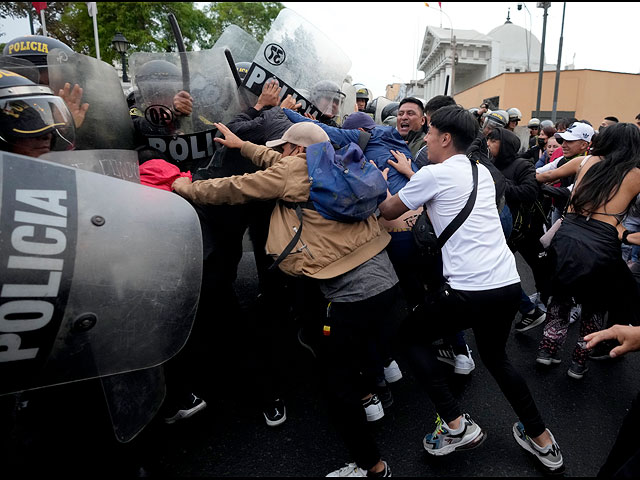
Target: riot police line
point(73, 278)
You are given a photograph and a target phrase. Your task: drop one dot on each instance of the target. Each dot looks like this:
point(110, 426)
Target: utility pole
point(453, 66)
point(545, 6)
point(555, 91)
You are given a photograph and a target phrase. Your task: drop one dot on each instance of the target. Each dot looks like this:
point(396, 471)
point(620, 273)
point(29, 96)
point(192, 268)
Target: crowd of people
point(565, 200)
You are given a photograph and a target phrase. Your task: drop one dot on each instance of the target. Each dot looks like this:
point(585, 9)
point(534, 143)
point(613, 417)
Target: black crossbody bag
point(429, 245)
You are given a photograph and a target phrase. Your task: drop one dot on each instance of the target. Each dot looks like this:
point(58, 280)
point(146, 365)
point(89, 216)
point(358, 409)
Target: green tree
point(145, 24)
point(253, 17)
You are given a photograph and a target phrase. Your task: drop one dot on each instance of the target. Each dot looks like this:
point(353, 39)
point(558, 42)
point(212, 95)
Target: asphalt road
point(70, 434)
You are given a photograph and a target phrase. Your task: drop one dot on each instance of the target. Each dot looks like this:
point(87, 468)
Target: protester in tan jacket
point(349, 264)
point(326, 248)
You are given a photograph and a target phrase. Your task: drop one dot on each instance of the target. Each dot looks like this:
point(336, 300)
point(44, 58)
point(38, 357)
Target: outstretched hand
point(270, 95)
point(402, 165)
point(230, 140)
point(73, 100)
point(627, 336)
point(290, 103)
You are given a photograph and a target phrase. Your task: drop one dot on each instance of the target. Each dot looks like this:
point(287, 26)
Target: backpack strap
point(296, 237)
point(363, 140)
point(464, 213)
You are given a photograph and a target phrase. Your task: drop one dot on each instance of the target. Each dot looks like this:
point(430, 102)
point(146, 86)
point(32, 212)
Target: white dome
point(513, 44)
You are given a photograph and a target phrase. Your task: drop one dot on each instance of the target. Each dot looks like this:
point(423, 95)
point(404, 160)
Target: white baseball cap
point(577, 131)
point(302, 134)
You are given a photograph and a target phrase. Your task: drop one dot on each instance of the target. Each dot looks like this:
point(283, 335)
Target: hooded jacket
point(520, 175)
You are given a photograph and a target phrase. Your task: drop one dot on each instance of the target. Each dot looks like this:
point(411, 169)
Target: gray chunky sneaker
point(549, 457)
point(444, 440)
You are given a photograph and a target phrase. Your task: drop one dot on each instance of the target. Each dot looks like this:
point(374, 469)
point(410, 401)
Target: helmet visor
point(329, 102)
point(35, 119)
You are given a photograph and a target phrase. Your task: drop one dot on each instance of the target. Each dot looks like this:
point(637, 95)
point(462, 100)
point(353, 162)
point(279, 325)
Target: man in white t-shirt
point(482, 290)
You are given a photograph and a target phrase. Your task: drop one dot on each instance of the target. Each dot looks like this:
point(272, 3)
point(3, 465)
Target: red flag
point(440, 5)
point(39, 6)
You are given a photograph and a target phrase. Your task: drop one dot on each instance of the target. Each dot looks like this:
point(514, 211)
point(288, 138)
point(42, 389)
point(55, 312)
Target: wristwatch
point(625, 234)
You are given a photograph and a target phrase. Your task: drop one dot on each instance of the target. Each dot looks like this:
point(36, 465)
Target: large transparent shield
point(349, 104)
point(242, 45)
point(107, 124)
point(100, 276)
point(299, 56)
point(157, 78)
point(523, 133)
point(381, 102)
point(122, 164)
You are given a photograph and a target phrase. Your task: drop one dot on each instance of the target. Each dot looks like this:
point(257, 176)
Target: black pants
point(342, 354)
point(489, 313)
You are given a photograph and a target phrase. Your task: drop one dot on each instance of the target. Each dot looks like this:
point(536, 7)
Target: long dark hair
point(618, 146)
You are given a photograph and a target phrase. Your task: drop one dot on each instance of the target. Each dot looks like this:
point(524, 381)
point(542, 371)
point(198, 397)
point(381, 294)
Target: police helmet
point(546, 123)
point(390, 110)
point(514, 114)
point(362, 93)
point(29, 111)
point(327, 97)
point(243, 69)
point(534, 123)
point(34, 48)
point(496, 118)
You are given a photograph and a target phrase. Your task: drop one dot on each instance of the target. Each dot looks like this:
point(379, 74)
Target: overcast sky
point(383, 39)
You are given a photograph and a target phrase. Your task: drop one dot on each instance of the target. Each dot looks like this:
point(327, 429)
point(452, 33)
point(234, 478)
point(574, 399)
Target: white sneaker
point(464, 364)
point(576, 310)
point(392, 372)
point(352, 470)
point(373, 408)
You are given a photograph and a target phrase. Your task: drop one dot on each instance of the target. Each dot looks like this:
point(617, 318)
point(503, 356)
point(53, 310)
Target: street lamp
point(528, 36)
point(545, 6)
point(454, 56)
point(121, 44)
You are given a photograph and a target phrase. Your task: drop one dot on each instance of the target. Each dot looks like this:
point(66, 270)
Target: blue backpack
point(345, 187)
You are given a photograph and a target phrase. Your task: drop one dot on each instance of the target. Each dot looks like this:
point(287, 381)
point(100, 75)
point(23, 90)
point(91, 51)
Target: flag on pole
point(92, 8)
point(39, 6)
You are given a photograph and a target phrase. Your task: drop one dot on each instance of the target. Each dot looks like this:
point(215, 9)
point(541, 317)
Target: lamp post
point(554, 112)
point(453, 49)
point(121, 45)
point(545, 6)
point(528, 36)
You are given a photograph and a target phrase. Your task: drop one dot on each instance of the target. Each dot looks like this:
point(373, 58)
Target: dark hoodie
point(520, 174)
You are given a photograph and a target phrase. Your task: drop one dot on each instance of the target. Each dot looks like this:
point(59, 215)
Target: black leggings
point(489, 313)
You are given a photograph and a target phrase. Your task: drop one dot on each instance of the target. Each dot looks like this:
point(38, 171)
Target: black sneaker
point(546, 358)
point(577, 371)
point(185, 409)
point(530, 320)
point(384, 394)
point(275, 413)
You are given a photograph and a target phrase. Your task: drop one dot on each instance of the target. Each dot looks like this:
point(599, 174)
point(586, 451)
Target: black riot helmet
point(33, 121)
point(243, 69)
point(34, 48)
point(390, 110)
point(157, 82)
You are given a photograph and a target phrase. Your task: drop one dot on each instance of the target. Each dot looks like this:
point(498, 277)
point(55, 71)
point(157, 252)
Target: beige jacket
point(326, 248)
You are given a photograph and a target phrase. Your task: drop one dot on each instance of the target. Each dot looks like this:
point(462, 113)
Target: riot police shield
point(242, 45)
point(349, 104)
point(381, 102)
point(523, 133)
point(157, 78)
point(187, 140)
point(100, 276)
point(299, 56)
point(107, 124)
point(122, 164)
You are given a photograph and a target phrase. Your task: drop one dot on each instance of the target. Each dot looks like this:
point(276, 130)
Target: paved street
point(230, 437)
